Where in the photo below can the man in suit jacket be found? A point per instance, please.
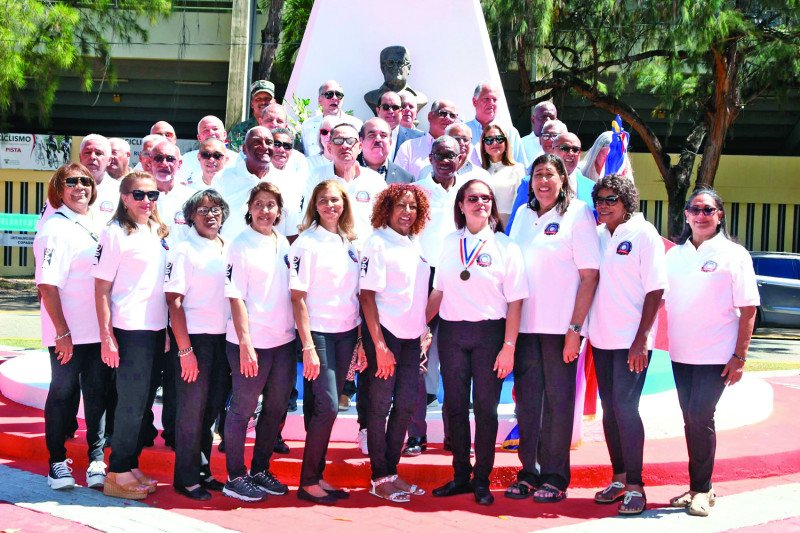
(376, 143)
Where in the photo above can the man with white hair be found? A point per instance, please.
(165, 129)
(532, 143)
(94, 153)
(331, 99)
(484, 99)
(119, 159)
(550, 132)
(165, 166)
(148, 142)
(209, 127)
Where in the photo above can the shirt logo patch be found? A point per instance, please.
(624, 248)
(286, 259)
(229, 273)
(364, 266)
(362, 196)
(48, 256)
(106, 206)
(484, 260)
(98, 253)
(296, 264)
(352, 255)
(179, 218)
(709, 266)
(168, 272)
(164, 244)
(551, 228)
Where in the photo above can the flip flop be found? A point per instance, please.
(519, 490)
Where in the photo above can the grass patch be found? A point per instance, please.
(758, 365)
(19, 342)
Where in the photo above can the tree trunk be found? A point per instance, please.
(679, 177)
(269, 40)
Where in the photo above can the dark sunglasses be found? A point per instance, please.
(158, 158)
(331, 94)
(442, 157)
(484, 198)
(285, 146)
(208, 155)
(707, 211)
(567, 149)
(139, 195)
(607, 200)
(71, 182)
(490, 140)
(447, 114)
(349, 141)
(389, 107)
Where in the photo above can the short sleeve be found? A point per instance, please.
(179, 271)
(236, 275)
(653, 266)
(585, 243)
(53, 258)
(515, 284)
(301, 260)
(373, 265)
(745, 287)
(108, 254)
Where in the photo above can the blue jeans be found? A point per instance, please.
(276, 375)
(699, 389)
(394, 398)
(620, 390)
(321, 399)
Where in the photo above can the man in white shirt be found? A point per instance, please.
(331, 99)
(119, 159)
(209, 127)
(541, 113)
(484, 99)
(468, 165)
(165, 165)
(414, 154)
(148, 142)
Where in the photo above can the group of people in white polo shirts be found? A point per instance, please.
(373, 268)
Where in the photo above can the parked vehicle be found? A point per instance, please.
(778, 277)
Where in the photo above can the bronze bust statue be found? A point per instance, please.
(395, 66)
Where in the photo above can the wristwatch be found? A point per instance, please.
(575, 327)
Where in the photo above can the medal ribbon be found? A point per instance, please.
(467, 258)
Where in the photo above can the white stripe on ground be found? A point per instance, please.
(91, 508)
(746, 509)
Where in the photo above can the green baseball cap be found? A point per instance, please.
(262, 86)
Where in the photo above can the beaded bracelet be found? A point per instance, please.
(740, 358)
(64, 336)
(185, 351)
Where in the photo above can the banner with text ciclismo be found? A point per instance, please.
(29, 151)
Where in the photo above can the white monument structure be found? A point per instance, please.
(447, 40)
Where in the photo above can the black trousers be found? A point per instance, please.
(467, 352)
(620, 391)
(276, 376)
(393, 397)
(137, 351)
(87, 374)
(545, 392)
(321, 399)
(198, 404)
(164, 377)
(699, 389)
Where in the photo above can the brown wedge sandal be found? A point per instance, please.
(128, 491)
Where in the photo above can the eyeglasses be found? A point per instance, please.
(567, 149)
(208, 155)
(285, 146)
(204, 211)
(158, 158)
(443, 157)
(349, 141)
(139, 195)
(395, 64)
(447, 114)
(490, 140)
(323, 131)
(389, 107)
(330, 94)
(707, 211)
(73, 181)
(607, 200)
(549, 136)
(482, 198)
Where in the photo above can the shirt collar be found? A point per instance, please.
(394, 237)
(381, 169)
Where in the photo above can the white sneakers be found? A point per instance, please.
(362, 441)
(60, 476)
(96, 475)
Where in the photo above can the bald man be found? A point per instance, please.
(209, 127)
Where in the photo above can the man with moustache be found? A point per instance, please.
(376, 142)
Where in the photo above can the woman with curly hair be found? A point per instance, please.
(633, 278)
(132, 315)
(394, 292)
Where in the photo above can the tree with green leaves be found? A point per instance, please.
(703, 60)
(42, 39)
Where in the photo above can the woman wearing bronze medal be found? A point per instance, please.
(479, 286)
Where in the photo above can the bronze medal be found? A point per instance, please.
(465, 275)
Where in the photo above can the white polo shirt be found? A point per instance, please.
(707, 285)
(413, 155)
(64, 251)
(170, 209)
(258, 273)
(393, 267)
(102, 209)
(441, 223)
(326, 268)
(496, 276)
(197, 271)
(135, 265)
(554, 247)
(632, 264)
